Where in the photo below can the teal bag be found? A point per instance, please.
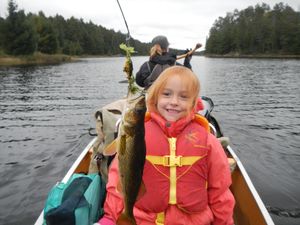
(78, 202)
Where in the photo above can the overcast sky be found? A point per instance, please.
(184, 22)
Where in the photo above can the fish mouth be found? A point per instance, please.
(137, 98)
(135, 111)
(139, 103)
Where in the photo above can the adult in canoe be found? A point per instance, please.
(159, 55)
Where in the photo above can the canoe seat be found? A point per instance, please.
(232, 164)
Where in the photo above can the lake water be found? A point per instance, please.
(46, 112)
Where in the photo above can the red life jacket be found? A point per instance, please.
(176, 163)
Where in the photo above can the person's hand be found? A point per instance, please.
(187, 59)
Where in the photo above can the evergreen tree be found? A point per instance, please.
(1, 33)
(19, 35)
(22, 34)
(59, 24)
(256, 30)
(47, 36)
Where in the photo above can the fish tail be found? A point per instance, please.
(125, 220)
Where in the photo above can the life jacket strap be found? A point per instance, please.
(171, 160)
(160, 218)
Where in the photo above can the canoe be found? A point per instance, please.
(249, 208)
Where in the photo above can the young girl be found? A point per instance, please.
(186, 174)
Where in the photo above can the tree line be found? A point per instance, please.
(24, 34)
(256, 30)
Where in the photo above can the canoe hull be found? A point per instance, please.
(249, 208)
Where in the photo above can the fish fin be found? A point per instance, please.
(111, 149)
(124, 219)
(142, 191)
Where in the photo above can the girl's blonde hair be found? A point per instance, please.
(188, 78)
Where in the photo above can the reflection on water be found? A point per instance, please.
(46, 112)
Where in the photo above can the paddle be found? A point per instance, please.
(198, 45)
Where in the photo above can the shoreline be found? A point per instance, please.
(254, 56)
(46, 59)
(36, 59)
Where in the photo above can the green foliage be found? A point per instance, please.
(129, 50)
(2, 21)
(256, 30)
(72, 48)
(19, 37)
(24, 34)
(128, 67)
(47, 36)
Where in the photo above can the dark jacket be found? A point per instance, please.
(147, 67)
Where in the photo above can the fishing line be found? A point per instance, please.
(128, 34)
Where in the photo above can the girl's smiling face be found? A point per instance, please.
(174, 100)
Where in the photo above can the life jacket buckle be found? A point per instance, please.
(170, 161)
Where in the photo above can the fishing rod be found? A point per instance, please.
(128, 33)
(128, 67)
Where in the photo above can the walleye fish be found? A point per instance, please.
(131, 146)
(131, 155)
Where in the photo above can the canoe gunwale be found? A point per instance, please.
(78, 160)
(251, 187)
